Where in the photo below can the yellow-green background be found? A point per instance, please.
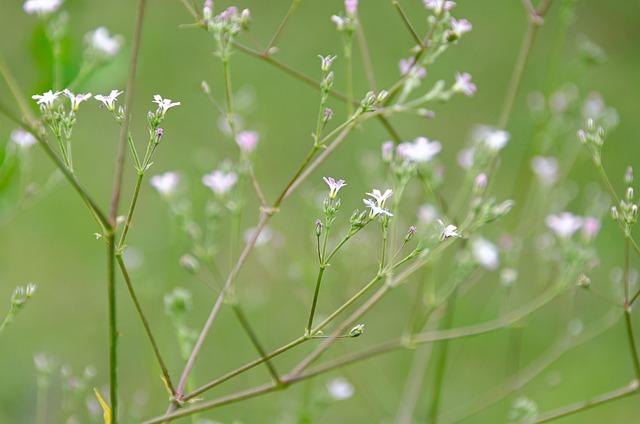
(52, 242)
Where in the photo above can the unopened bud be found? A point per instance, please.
(582, 136)
(318, 227)
(628, 175)
(159, 134)
(584, 281)
(205, 87)
(629, 193)
(480, 183)
(189, 263)
(387, 151)
(356, 331)
(410, 233)
(327, 115)
(614, 213)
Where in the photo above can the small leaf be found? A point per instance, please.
(106, 409)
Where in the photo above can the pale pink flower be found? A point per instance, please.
(590, 227)
(480, 182)
(420, 151)
(334, 186)
(464, 84)
(166, 183)
(387, 151)
(460, 27)
(41, 7)
(247, 140)
(164, 104)
(439, 6)
(427, 214)
(220, 182)
(564, 224)
(23, 138)
(109, 100)
(351, 6)
(465, 158)
(408, 65)
(546, 169)
(76, 99)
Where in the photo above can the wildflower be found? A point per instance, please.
(410, 233)
(334, 186)
(439, 6)
(375, 209)
(46, 100)
(76, 99)
(508, 276)
(165, 184)
(164, 104)
(387, 151)
(448, 231)
(247, 140)
(494, 139)
(207, 10)
(480, 182)
(220, 182)
(460, 27)
(427, 214)
(380, 197)
(23, 138)
(546, 169)
(590, 227)
(351, 6)
(464, 85)
(420, 151)
(465, 158)
(485, 253)
(340, 389)
(41, 7)
(109, 100)
(341, 22)
(408, 65)
(102, 42)
(564, 224)
(326, 62)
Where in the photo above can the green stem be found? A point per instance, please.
(132, 207)
(113, 328)
(292, 8)
(315, 300)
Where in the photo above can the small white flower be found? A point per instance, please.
(460, 27)
(546, 169)
(439, 6)
(465, 158)
(492, 138)
(76, 99)
(334, 186)
(420, 151)
(46, 100)
(106, 44)
(387, 151)
(41, 7)
(340, 389)
(165, 184)
(340, 22)
(427, 214)
(375, 210)
(247, 141)
(109, 100)
(448, 231)
(564, 224)
(485, 253)
(380, 197)
(464, 84)
(220, 182)
(23, 138)
(164, 104)
(508, 277)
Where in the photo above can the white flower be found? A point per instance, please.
(247, 141)
(387, 151)
(448, 231)
(334, 186)
(492, 138)
(375, 209)
(508, 276)
(220, 182)
(41, 6)
(47, 99)
(464, 84)
(340, 389)
(164, 104)
(76, 99)
(439, 6)
(564, 224)
(340, 22)
(460, 27)
(420, 151)
(380, 197)
(23, 138)
(465, 158)
(485, 253)
(109, 100)
(546, 169)
(427, 214)
(165, 184)
(101, 41)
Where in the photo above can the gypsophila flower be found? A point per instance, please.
(460, 27)
(207, 10)
(166, 184)
(564, 224)
(46, 100)
(546, 169)
(387, 151)
(420, 151)
(485, 253)
(23, 138)
(109, 100)
(326, 62)
(351, 6)
(380, 197)
(76, 99)
(439, 6)
(427, 214)
(590, 227)
(377, 207)
(247, 141)
(465, 158)
(480, 182)
(464, 85)
(41, 7)
(448, 231)
(334, 186)
(375, 210)
(340, 389)
(408, 65)
(493, 138)
(104, 43)
(508, 276)
(164, 104)
(220, 182)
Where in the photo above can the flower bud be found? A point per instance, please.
(318, 227)
(410, 233)
(189, 263)
(628, 175)
(356, 331)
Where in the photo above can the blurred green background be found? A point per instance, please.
(52, 243)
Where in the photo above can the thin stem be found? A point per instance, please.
(132, 207)
(407, 23)
(276, 36)
(14, 88)
(315, 300)
(145, 322)
(366, 56)
(622, 392)
(113, 327)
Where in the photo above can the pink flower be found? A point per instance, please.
(464, 85)
(420, 151)
(247, 140)
(220, 182)
(351, 6)
(387, 151)
(564, 224)
(590, 227)
(546, 169)
(408, 65)
(334, 186)
(438, 6)
(460, 27)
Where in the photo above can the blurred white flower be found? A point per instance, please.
(420, 151)
(465, 158)
(427, 214)
(564, 224)
(46, 100)
(41, 6)
(165, 184)
(448, 231)
(387, 151)
(247, 141)
(485, 253)
(340, 389)
(220, 182)
(508, 276)
(375, 210)
(439, 6)
(546, 169)
(23, 138)
(494, 139)
(164, 104)
(464, 84)
(100, 40)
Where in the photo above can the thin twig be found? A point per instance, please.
(276, 36)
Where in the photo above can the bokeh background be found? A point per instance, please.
(51, 241)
